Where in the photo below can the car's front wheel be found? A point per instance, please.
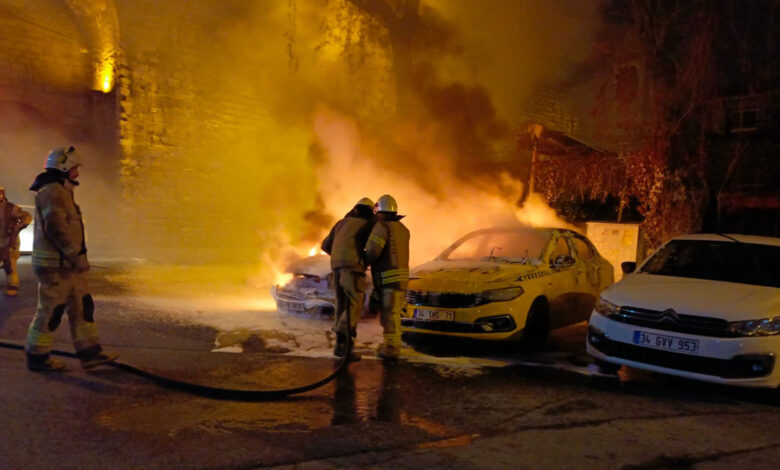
(606, 367)
(537, 326)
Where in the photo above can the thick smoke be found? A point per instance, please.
(253, 126)
(26, 138)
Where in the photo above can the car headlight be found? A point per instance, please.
(761, 327)
(501, 295)
(605, 307)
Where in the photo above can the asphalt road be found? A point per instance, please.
(427, 411)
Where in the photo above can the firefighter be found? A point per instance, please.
(345, 244)
(387, 251)
(60, 263)
(12, 221)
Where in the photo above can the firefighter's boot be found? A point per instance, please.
(13, 284)
(341, 345)
(341, 348)
(388, 352)
(390, 349)
(44, 363)
(93, 358)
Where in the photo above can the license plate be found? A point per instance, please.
(295, 307)
(669, 343)
(431, 315)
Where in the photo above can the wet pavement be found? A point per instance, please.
(466, 405)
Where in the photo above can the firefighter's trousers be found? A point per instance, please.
(350, 294)
(62, 291)
(9, 266)
(390, 315)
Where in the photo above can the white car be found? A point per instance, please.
(704, 307)
(310, 289)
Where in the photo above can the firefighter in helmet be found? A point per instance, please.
(345, 244)
(12, 221)
(60, 263)
(387, 251)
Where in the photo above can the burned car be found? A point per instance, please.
(515, 283)
(310, 290)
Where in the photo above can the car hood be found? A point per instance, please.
(317, 265)
(727, 300)
(466, 276)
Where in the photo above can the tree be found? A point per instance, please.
(657, 66)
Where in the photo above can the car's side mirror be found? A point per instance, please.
(563, 261)
(628, 267)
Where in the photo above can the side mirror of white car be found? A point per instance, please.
(628, 267)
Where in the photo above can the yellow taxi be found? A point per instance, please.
(507, 283)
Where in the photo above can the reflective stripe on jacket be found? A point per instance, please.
(345, 243)
(59, 229)
(387, 251)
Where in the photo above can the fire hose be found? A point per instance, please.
(215, 392)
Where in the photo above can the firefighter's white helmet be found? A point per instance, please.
(386, 203)
(365, 202)
(63, 159)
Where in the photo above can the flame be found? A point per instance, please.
(440, 208)
(107, 76)
(537, 213)
(282, 278)
(314, 250)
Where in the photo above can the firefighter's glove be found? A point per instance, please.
(81, 264)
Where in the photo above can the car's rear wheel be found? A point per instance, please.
(537, 326)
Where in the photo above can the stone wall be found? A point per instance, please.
(194, 160)
(196, 166)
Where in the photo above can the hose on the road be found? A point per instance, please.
(215, 392)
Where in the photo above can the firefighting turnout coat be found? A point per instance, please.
(387, 251)
(12, 219)
(345, 243)
(59, 229)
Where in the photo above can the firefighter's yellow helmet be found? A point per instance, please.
(365, 202)
(63, 159)
(386, 203)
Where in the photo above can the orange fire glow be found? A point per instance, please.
(281, 278)
(434, 219)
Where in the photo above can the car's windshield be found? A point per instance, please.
(516, 246)
(745, 263)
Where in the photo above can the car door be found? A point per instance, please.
(563, 296)
(588, 274)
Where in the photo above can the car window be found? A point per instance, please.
(745, 263)
(513, 246)
(584, 251)
(561, 248)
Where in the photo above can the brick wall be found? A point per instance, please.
(46, 96)
(204, 169)
(43, 64)
(196, 167)
(551, 109)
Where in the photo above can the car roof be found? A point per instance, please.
(729, 237)
(517, 228)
